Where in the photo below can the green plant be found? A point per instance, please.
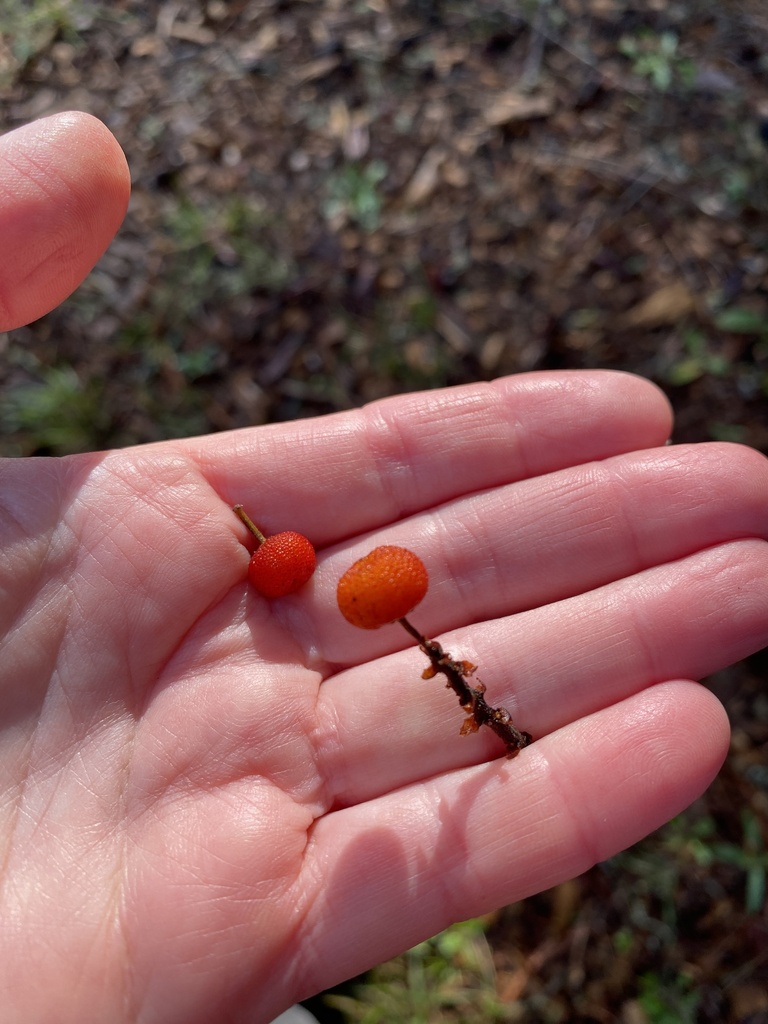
(58, 413)
(734, 432)
(742, 320)
(449, 978)
(750, 857)
(655, 57)
(657, 867)
(212, 257)
(672, 1002)
(353, 194)
(29, 27)
(699, 359)
(401, 343)
(422, 309)
(215, 254)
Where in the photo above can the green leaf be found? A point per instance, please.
(755, 894)
(739, 320)
(686, 371)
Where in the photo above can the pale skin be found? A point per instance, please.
(214, 805)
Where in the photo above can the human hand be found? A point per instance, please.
(214, 805)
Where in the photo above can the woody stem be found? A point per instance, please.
(241, 514)
(471, 698)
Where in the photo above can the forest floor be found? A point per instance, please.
(335, 201)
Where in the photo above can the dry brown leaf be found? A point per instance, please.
(315, 69)
(448, 325)
(517, 106)
(425, 177)
(191, 33)
(668, 305)
(265, 41)
(748, 1000)
(492, 350)
(150, 45)
(338, 119)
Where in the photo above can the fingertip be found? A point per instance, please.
(693, 736)
(637, 402)
(662, 750)
(616, 411)
(109, 172)
(638, 389)
(64, 190)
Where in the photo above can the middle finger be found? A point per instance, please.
(542, 540)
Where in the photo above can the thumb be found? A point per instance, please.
(64, 188)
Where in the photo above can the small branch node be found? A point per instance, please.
(471, 698)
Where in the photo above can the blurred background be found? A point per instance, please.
(337, 200)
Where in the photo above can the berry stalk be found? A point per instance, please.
(242, 514)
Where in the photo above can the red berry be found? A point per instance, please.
(382, 587)
(282, 564)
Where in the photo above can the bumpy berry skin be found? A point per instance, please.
(282, 564)
(382, 587)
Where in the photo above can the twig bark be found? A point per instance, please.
(471, 698)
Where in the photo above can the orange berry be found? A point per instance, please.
(382, 587)
(282, 564)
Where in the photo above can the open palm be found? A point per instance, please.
(212, 804)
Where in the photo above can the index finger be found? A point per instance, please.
(341, 475)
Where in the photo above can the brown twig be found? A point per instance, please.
(241, 514)
(471, 698)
